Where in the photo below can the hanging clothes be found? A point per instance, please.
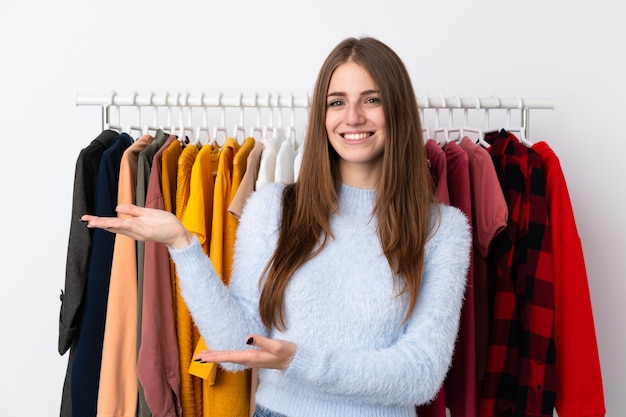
(186, 332)
(438, 170)
(198, 220)
(285, 159)
(248, 182)
(578, 373)
(87, 358)
(527, 306)
(117, 392)
(78, 253)
(157, 365)
(231, 391)
(520, 376)
(489, 217)
(460, 384)
(144, 167)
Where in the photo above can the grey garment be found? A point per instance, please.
(66, 396)
(144, 164)
(78, 252)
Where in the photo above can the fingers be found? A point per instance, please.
(268, 353)
(131, 210)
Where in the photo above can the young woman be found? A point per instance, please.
(347, 286)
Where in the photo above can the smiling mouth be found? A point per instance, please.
(356, 136)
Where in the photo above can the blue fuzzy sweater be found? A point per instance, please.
(356, 356)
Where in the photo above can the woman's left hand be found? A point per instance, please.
(269, 353)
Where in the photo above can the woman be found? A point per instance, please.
(347, 286)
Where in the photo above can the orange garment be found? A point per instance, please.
(186, 333)
(117, 390)
(245, 164)
(221, 199)
(230, 394)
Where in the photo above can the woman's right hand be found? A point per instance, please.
(145, 224)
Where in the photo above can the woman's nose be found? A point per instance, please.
(355, 115)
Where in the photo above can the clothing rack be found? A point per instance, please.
(185, 103)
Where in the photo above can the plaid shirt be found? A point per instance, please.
(521, 376)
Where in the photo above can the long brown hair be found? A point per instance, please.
(404, 191)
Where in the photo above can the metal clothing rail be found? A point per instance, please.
(280, 101)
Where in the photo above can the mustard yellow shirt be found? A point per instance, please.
(186, 332)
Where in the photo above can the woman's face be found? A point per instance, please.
(355, 124)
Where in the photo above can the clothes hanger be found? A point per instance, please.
(113, 126)
(257, 127)
(221, 128)
(440, 129)
(480, 140)
(291, 130)
(153, 128)
(521, 130)
(239, 127)
(451, 128)
(204, 128)
(185, 128)
(488, 129)
(425, 128)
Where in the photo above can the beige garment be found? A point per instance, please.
(117, 392)
(247, 184)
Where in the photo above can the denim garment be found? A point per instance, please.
(264, 412)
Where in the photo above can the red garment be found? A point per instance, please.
(437, 160)
(579, 377)
(438, 170)
(460, 383)
(521, 373)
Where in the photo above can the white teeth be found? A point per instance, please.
(355, 136)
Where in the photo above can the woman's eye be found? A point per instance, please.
(335, 103)
(373, 100)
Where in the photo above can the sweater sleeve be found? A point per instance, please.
(225, 316)
(411, 370)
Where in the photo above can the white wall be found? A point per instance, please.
(571, 51)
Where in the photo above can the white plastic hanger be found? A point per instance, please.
(204, 128)
(451, 128)
(185, 128)
(240, 127)
(425, 128)
(468, 129)
(221, 128)
(153, 128)
(440, 129)
(521, 131)
(257, 128)
(114, 126)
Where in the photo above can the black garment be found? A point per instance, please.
(79, 251)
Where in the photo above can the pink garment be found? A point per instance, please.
(158, 365)
(489, 217)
